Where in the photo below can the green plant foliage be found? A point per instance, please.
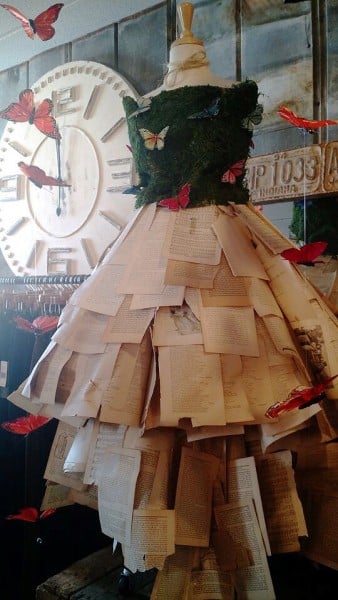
(197, 150)
(321, 222)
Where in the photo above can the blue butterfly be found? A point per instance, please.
(211, 111)
(143, 105)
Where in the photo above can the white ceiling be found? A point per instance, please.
(76, 19)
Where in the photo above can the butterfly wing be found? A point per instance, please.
(45, 323)
(25, 425)
(153, 140)
(43, 22)
(29, 513)
(24, 324)
(183, 195)
(20, 111)
(210, 111)
(306, 254)
(44, 121)
(233, 172)
(39, 177)
(171, 203)
(299, 398)
(298, 121)
(25, 22)
(149, 138)
(160, 138)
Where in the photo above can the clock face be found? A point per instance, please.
(64, 226)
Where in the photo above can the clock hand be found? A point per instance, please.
(58, 158)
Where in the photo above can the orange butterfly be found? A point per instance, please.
(153, 140)
(233, 172)
(181, 201)
(306, 254)
(31, 514)
(42, 324)
(25, 425)
(307, 124)
(41, 25)
(39, 177)
(24, 111)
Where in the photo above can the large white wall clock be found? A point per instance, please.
(65, 229)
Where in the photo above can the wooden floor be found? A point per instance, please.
(98, 577)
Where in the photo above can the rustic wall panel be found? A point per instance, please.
(214, 23)
(142, 49)
(97, 47)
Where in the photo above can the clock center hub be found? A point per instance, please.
(60, 211)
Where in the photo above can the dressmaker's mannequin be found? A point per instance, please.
(188, 62)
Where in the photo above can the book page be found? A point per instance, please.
(92, 376)
(242, 483)
(56, 496)
(190, 236)
(286, 286)
(237, 247)
(229, 330)
(239, 519)
(132, 234)
(176, 326)
(62, 443)
(103, 436)
(171, 295)
(123, 398)
(73, 336)
(261, 298)
(181, 272)
(128, 326)
(227, 289)
(145, 269)
(263, 228)
(321, 510)
(282, 508)
(100, 295)
(173, 581)
(48, 379)
(199, 397)
(197, 473)
(208, 583)
(116, 489)
(153, 532)
(77, 456)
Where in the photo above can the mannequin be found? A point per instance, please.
(188, 63)
(196, 249)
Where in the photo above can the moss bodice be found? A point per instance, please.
(205, 130)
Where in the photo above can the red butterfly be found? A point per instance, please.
(25, 425)
(39, 177)
(31, 514)
(24, 111)
(306, 254)
(40, 325)
(233, 172)
(41, 25)
(181, 201)
(300, 397)
(306, 124)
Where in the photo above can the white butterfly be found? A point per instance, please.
(154, 140)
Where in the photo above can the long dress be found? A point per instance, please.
(188, 331)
